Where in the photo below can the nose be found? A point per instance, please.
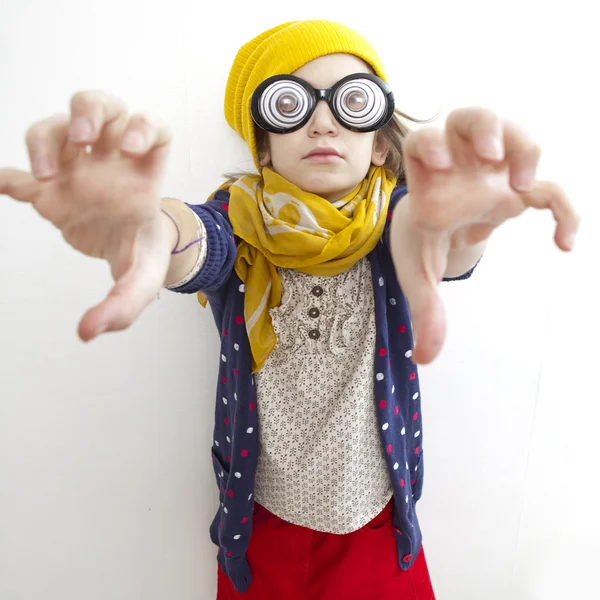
(322, 121)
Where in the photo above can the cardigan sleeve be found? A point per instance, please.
(220, 242)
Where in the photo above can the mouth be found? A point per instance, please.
(323, 154)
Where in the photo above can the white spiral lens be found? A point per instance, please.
(360, 103)
(284, 104)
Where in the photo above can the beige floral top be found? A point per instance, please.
(321, 463)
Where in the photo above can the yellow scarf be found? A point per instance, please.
(281, 225)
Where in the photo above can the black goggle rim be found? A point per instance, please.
(318, 95)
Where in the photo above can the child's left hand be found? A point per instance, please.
(487, 177)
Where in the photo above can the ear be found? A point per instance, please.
(381, 147)
(264, 158)
(262, 147)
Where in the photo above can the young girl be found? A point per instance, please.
(309, 268)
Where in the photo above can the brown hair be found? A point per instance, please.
(393, 134)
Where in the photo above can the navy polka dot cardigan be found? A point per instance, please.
(235, 446)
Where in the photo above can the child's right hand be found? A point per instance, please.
(106, 202)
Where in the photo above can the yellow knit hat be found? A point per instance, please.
(280, 51)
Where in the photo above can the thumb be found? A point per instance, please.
(420, 269)
(19, 185)
(429, 324)
(128, 298)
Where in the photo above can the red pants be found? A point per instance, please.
(289, 562)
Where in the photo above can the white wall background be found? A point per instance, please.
(106, 487)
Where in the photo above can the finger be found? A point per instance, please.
(420, 262)
(19, 185)
(137, 135)
(144, 133)
(477, 128)
(130, 295)
(47, 146)
(147, 138)
(522, 155)
(547, 194)
(422, 166)
(97, 119)
(428, 146)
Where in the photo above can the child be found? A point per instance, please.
(318, 437)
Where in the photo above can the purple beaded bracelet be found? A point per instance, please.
(179, 235)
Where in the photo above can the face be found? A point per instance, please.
(336, 174)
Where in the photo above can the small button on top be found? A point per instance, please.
(407, 558)
(314, 334)
(314, 313)
(317, 291)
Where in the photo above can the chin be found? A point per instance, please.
(331, 186)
